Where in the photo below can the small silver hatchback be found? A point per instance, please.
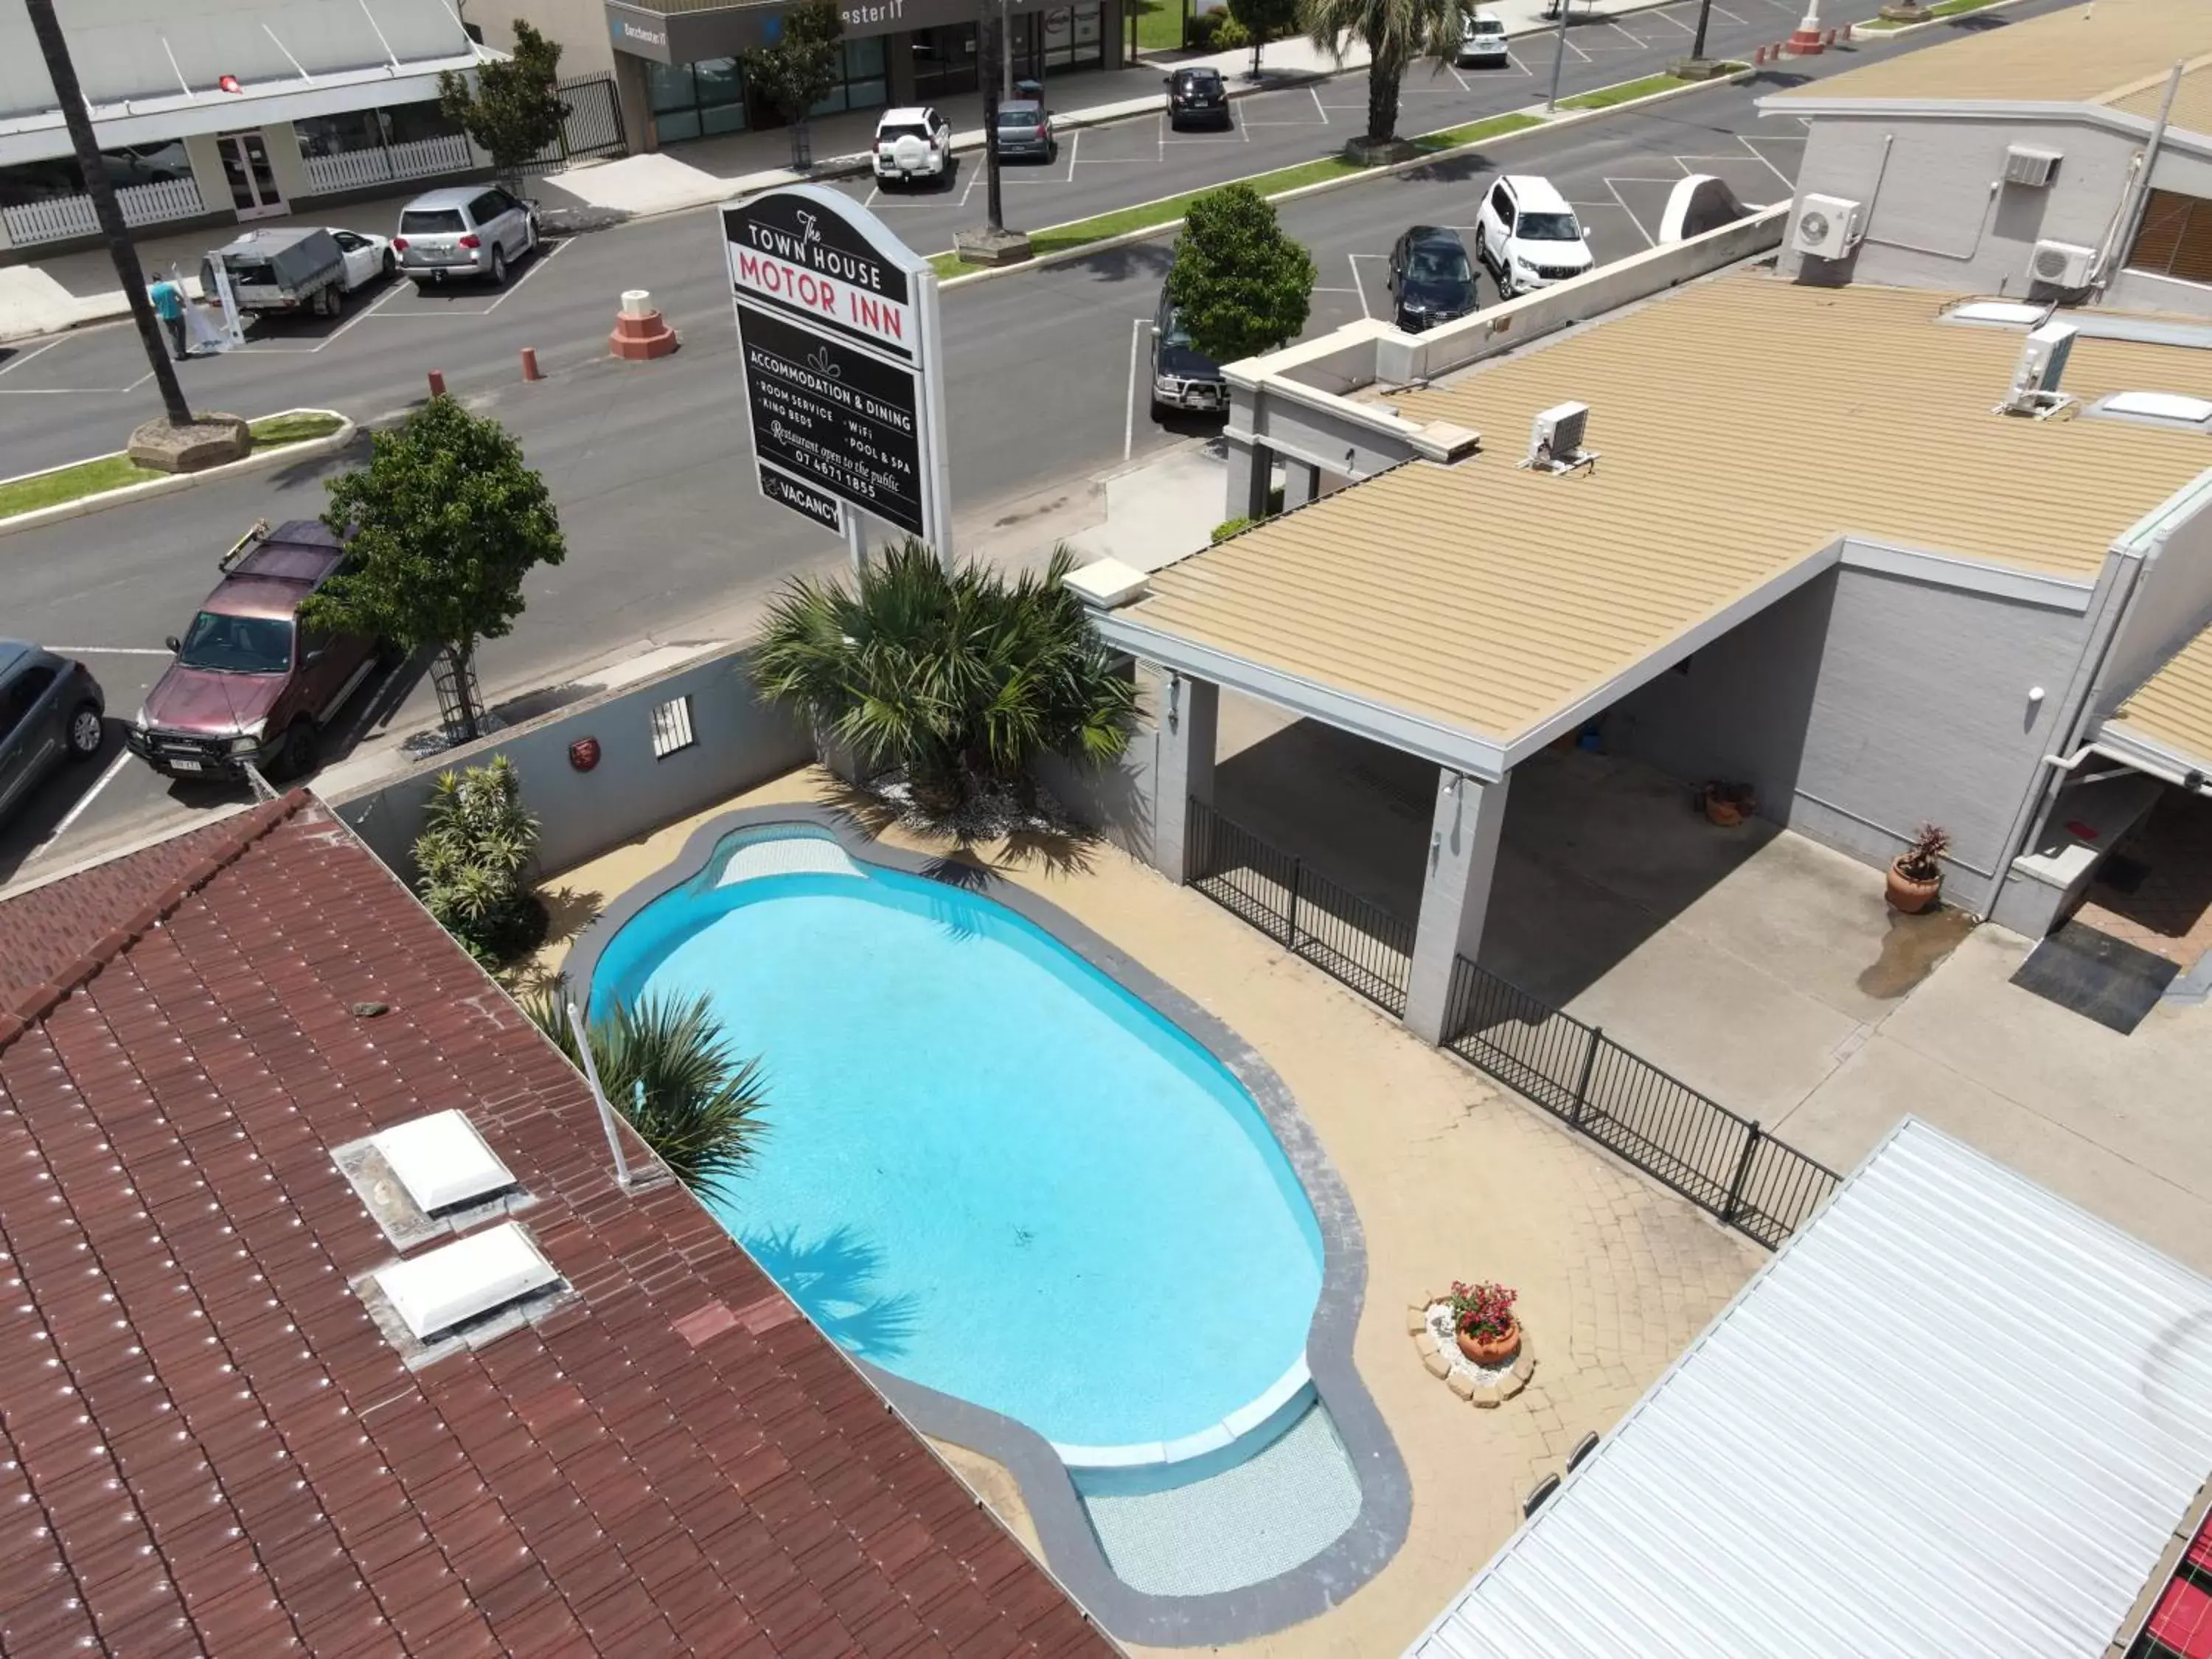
(475, 230)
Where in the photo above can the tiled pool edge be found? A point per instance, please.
(1072, 1550)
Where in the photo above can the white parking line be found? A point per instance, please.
(1129, 414)
(1318, 105)
(1669, 17)
(543, 259)
(1357, 287)
(35, 351)
(1723, 11)
(1650, 240)
(86, 799)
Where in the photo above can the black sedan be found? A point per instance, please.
(50, 711)
(1198, 97)
(1431, 280)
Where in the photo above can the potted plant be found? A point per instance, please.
(1482, 1320)
(1916, 879)
(1728, 804)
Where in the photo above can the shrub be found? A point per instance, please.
(700, 1109)
(476, 844)
(1239, 283)
(1922, 858)
(958, 677)
(1229, 527)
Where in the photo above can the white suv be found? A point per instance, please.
(912, 143)
(1529, 236)
(1482, 38)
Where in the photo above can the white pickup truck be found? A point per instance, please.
(282, 271)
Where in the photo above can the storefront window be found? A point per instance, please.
(138, 164)
(863, 86)
(1074, 39)
(944, 61)
(697, 100)
(371, 129)
(407, 124)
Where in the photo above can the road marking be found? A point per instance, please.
(869, 200)
(1318, 105)
(1650, 240)
(1723, 11)
(1788, 182)
(1357, 287)
(1452, 69)
(1129, 414)
(1669, 17)
(83, 801)
(35, 351)
(1514, 58)
(543, 259)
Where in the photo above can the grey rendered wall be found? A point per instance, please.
(1865, 703)
(2171, 601)
(1934, 219)
(742, 743)
(1117, 800)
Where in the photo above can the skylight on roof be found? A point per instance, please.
(2169, 408)
(462, 1281)
(441, 1160)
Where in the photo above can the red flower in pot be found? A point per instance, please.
(1482, 1320)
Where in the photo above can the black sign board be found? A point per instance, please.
(834, 416)
(790, 252)
(803, 499)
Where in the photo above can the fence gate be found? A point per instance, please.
(594, 126)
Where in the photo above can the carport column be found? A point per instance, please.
(1301, 485)
(1251, 477)
(1455, 897)
(1190, 714)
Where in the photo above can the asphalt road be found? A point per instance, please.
(668, 542)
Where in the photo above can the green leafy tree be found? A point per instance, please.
(447, 521)
(473, 855)
(701, 1106)
(1240, 284)
(958, 677)
(798, 69)
(513, 109)
(1398, 32)
(1263, 20)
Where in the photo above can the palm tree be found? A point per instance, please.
(958, 677)
(701, 1107)
(76, 115)
(1397, 31)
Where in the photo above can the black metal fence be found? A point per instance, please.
(593, 127)
(1344, 935)
(1725, 1164)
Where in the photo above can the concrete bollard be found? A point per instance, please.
(639, 334)
(437, 383)
(530, 364)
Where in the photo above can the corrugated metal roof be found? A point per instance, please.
(1744, 423)
(2192, 104)
(2088, 54)
(2172, 709)
(1954, 1416)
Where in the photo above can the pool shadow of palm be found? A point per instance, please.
(833, 1277)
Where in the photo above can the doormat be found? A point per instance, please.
(2096, 976)
(2122, 873)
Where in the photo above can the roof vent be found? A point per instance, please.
(2027, 164)
(441, 1161)
(2035, 380)
(462, 1281)
(1555, 440)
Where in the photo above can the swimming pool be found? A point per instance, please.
(991, 1169)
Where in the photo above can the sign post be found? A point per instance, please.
(838, 329)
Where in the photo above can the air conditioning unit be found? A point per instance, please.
(1555, 440)
(2062, 264)
(1826, 227)
(2027, 164)
(2035, 378)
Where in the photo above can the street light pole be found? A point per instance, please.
(996, 45)
(1558, 57)
(76, 116)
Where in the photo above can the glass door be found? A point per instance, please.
(252, 181)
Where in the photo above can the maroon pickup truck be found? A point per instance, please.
(250, 683)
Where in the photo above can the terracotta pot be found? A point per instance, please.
(1726, 813)
(1910, 897)
(1492, 1353)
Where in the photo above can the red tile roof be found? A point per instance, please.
(206, 1446)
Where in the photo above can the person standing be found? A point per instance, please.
(168, 298)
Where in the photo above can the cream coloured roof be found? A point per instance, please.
(2193, 103)
(1745, 424)
(2173, 708)
(2099, 53)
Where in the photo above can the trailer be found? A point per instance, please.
(281, 270)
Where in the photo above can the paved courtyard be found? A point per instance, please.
(1764, 968)
(1452, 1179)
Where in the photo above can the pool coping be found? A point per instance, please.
(1071, 1548)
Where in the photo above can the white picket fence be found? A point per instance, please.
(61, 216)
(355, 169)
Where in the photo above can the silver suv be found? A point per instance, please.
(50, 708)
(478, 230)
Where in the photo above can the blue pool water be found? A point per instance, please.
(989, 1169)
